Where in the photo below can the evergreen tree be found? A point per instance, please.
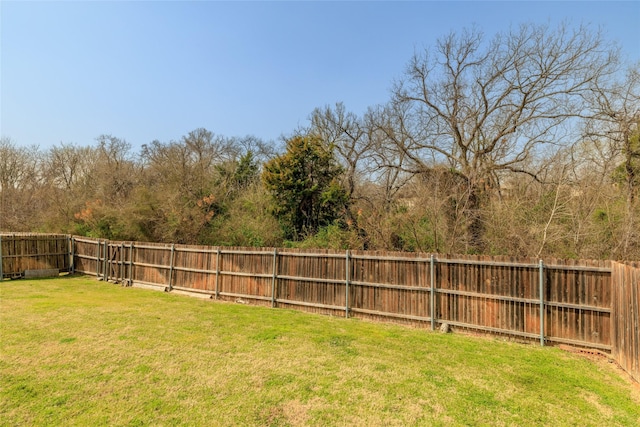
(305, 187)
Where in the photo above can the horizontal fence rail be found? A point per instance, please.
(589, 304)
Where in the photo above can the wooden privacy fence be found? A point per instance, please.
(21, 253)
(552, 302)
(591, 304)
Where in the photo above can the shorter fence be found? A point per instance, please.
(20, 253)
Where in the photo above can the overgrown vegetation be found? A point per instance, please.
(525, 143)
(80, 352)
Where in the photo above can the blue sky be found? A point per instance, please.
(71, 71)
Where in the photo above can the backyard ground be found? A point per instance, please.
(75, 351)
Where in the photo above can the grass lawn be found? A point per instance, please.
(75, 351)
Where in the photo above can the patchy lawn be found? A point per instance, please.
(75, 351)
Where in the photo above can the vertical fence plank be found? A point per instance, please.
(347, 277)
(130, 273)
(71, 245)
(541, 279)
(98, 250)
(105, 273)
(217, 273)
(432, 292)
(121, 264)
(274, 278)
(171, 265)
(1, 261)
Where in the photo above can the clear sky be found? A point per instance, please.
(140, 71)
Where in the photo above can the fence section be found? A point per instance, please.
(579, 302)
(391, 286)
(244, 273)
(312, 280)
(86, 255)
(195, 266)
(493, 295)
(554, 302)
(23, 252)
(626, 303)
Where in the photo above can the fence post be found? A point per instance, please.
(131, 265)
(99, 264)
(541, 282)
(274, 278)
(123, 264)
(105, 274)
(347, 278)
(217, 270)
(173, 246)
(1, 273)
(103, 261)
(100, 247)
(432, 292)
(98, 258)
(71, 245)
(117, 255)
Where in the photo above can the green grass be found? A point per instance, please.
(75, 351)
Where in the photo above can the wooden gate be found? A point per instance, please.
(114, 262)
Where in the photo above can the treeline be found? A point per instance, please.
(524, 144)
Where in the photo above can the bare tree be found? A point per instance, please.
(391, 168)
(373, 171)
(19, 182)
(484, 107)
(116, 169)
(70, 175)
(616, 125)
(617, 121)
(347, 134)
